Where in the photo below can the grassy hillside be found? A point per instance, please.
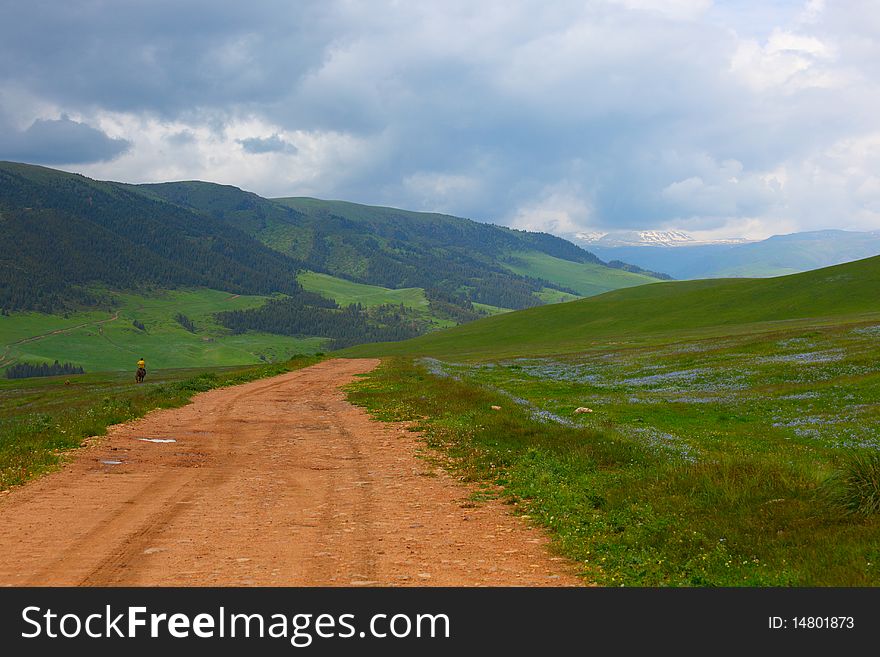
(62, 232)
(439, 229)
(549, 295)
(346, 292)
(674, 309)
(413, 299)
(744, 460)
(535, 256)
(64, 238)
(704, 433)
(757, 270)
(108, 340)
(586, 278)
(454, 260)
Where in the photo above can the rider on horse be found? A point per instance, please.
(141, 371)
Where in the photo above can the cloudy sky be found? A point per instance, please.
(722, 118)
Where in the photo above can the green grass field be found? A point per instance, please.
(490, 310)
(733, 438)
(584, 278)
(347, 292)
(756, 272)
(706, 463)
(101, 341)
(660, 312)
(549, 295)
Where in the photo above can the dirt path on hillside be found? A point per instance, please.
(279, 482)
(34, 338)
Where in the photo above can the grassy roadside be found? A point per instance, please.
(41, 419)
(629, 515)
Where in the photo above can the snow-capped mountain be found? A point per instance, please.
(668, 252)
(670, 238)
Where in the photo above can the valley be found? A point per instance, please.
(77, 252)
(711, 432)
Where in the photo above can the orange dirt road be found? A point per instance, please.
(279, 482)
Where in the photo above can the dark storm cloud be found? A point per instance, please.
(181, 138)
(273, 144)
(61, 141)
(163, 56)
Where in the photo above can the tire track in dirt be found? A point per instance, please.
(273, 483)
(112, 571)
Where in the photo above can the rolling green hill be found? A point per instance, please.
(542, 260)
(412, 299)
(72, 245)
(346, 292)
(61, 232)
(454, 260)
(693, 433)
(585, 278)
(673, 309)
(109, 340)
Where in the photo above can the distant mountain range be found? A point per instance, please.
(62, 232)
(69, 243)
(458, 262)
(671, 238)
(683, 257)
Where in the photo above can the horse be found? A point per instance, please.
(141, 373)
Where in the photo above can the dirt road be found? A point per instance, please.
(279, 482)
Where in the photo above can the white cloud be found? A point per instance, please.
(560, 208)
(812, 11)
(437, 191)
(728, 191)
(787, 62)
(319, 159)
(750, 228)
(838, 186)
(678, 9)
